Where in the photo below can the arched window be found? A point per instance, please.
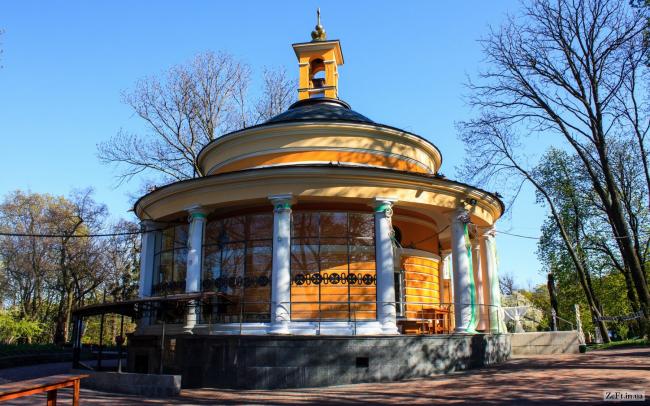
(317, 78)
(317, 67)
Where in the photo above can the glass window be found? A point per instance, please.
(170, 260)
(333, 266)
(237, 263)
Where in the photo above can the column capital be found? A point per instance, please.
(196, 212)
(461, 215)
(383, 204)
(490, 232)
(148, 225)
(282, 201)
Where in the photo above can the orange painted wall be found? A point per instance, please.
(417, 236)
(323, 156)
(317, 297)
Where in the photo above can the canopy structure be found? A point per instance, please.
(134, 309)
(515, 314)
(131, 308)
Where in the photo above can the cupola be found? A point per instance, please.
(318, 62)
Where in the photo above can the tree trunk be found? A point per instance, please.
(596, 303)
(59, 329)
(550, 284)
(593, 308)
(623, 237)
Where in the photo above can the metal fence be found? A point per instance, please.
(412, 317)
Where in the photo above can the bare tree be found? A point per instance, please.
(51, 262)
(277, 94)
(78, 261)
(24, 260)
(185, 110)
(562, 70)
(507, 284)
(188, 107)
(122, 258)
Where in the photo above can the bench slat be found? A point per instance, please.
(12, 390)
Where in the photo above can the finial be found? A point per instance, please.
(319, 33)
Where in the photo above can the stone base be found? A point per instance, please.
(269, 362)
(545, 342)
(148, 385)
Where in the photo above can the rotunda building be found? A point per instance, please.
(320, 221)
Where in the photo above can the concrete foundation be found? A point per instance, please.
(545, 342)
(268, 362)
(148, 385)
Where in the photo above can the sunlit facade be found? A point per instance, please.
(321, 221)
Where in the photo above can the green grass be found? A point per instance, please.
(637, 342)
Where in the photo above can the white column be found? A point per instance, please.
(497, 324)
(478, 277)
(464, 310)
(147, 247)
(281, 271)
(386, 307)
(197, 218)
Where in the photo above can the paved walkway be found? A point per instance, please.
(557, 379)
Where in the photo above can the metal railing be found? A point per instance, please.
(560, 326)
(421, 314)
(412, 317)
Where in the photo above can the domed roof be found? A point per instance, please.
(315, 131)
(320, 109)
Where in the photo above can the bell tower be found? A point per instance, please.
(318, 62)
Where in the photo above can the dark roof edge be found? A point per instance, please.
(421, 175)
(316, 100)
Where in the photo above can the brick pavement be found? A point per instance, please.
(554, 379)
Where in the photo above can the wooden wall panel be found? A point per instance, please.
(421, 284)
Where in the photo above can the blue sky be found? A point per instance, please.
(65, 65)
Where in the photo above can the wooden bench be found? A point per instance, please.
(49, 384)
(433, 320)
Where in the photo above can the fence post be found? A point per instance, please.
(581, 334)
(101, 343)
(76, 340)
(162, 347)
(120, 341)
(554, 326)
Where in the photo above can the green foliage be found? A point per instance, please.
(638, 342)
(110, 331)
(536, 317)
(541, 303)
(14, 328)
(60, 265)
(589, 234)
